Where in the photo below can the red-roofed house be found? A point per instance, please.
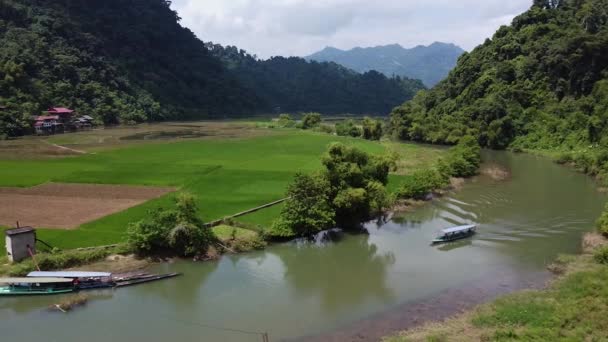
(48, 124)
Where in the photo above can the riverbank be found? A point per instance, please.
(573, 307)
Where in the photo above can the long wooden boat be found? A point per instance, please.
(82, 280)
(144, 279)
(455, 233)
(35, 286)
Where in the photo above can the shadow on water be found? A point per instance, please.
(326, 270)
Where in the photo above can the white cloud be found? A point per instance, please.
(300, 27)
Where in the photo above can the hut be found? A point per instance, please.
(20, 243)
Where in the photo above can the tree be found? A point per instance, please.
(311, 120)
(372, 129)
(307, 210)
(179, 230)
(348, 128)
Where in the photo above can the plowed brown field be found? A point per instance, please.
(67, 206)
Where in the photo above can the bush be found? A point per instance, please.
(372, 129)
(463, 160)
(311, 120)
(60, 260)
(602, 223)
(285, 121)
(601, 256)
(421, 183)
(348, 128)
(329, 129)
(178, 230)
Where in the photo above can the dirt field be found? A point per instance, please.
(67, 206)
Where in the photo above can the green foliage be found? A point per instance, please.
(294, 84)
(348, 128)
(372, 129)
(602, 223)
(541, 83)
(285, 121)
(178, 230)
(59, 260)
(349, 191)
(329, 129)
(307, 209)
(87, 56)
(601, 256)
(421, 183)
(463, 160)
(311, 120)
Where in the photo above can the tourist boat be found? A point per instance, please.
(35, 286)
(82, 280)
(455, 233)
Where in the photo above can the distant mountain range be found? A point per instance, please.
(430, 63)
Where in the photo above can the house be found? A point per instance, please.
(64, 114)
(83, 122)
(48, 124)
(20, 243)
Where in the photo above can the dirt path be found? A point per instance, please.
(65, 148)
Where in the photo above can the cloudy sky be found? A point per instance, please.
(300, 27)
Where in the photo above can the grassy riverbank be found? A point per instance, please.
(573, 308)
(229, 167)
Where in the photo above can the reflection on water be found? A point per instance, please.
(298, 289)
(354, 259)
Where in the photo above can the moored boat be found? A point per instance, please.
(455, 233)
(35, 286)
(82, 280)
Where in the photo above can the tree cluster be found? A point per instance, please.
(541, 83)
(350, 190)
(178, 230)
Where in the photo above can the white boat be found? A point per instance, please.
(455, 233)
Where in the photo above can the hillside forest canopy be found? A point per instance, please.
(93, 57)
(540, 83)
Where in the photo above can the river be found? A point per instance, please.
(380, 281)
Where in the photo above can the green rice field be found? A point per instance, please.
(226, 175)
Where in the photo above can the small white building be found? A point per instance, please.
(20, 242)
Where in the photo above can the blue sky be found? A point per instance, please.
(300, 27)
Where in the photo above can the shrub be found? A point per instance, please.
(285, 120)
(464, 159)
(421, 183)
(372, 129)
(178, 230)
(348, 128)
(602, 223)
(601, 255)
(329, 129)
(311, 120)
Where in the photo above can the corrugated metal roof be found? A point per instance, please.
(74, 274)
(34, 280)
(457, 229)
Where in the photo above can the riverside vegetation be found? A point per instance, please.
(538, 85)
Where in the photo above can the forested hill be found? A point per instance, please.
(117, 60)
(430, 63)
(540, 83)
(294, 84)
(131, 61)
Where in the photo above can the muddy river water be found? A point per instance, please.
(356, 288)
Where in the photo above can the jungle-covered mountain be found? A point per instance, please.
(294, 84)
(540, 83)
(131, 61)
(430, 63)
